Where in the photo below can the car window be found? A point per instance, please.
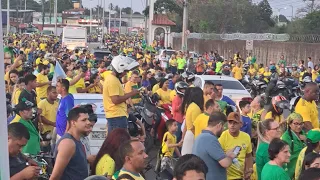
(169, 53)
(236, 85)
(98, 105)
(100, 55)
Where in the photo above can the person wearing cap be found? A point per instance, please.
(234, 137)
(313, 145)
(208, 148)
(24, 109)
(295, 137)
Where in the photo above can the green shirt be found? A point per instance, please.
(274, 172)
(298, 145)
(181, 63)
(33, 145)
(223, 106)
(218, 67)
(262, 157)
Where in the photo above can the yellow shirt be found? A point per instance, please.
(155, 88)
(227, 143)
(261, 71)
(206, 98)
(173, 62)
(164, 96)
(80, 84)
(43, 46)
(105, 165)
(134, 176)
(237, 73)
(72, 89)
(267, 74)
(315, 74)
(193, 111)
(252, 72)
(309, 112)
(200, 124)
(129, 86)
(299, 163)
(113, 87)
(6, 77)
(170, 139)
(19, 68)
(173, 94)
(49, 111)
(15, 96)
(256, 116)
(15, 119)
(95, 90)
(276, 118)
(42, 91)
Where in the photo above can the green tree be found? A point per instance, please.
(31, 5)
(126, 10)
(111, 6)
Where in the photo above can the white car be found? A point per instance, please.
(98, 134)
(231, 86)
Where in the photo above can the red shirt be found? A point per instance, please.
(176, 111)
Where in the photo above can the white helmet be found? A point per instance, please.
(123, 63)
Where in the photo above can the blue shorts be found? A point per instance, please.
(117, 122)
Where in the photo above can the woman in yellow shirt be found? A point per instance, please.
(252, 71)
(266, 74)
(164, 92)
(315, 72)
(261, 70)
(17, 91)
(173, 64)
(108, 160)
(97, 88)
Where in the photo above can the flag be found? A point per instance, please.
(58, 74)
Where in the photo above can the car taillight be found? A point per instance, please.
(247, 99)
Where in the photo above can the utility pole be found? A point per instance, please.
(151, 11)
(8, 17)
(185, 26)
(109, 23)
(146, 25)
(50, 10)
(55, 16)
(90, 16)
(312, 5)
(43, 14)
(103, 21)
(120, 22)
(131, 15)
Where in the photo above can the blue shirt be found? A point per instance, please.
(208, 148)
(246, 125)
(65, 105)
(171, 85)
(228, 100)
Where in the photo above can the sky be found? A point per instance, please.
(285, 6)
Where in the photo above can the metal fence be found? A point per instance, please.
(309, 38)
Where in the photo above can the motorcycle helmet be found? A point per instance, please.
(273, 68)
(122, 63)
(159, 76)
(179, 86)
(307, 79)
(279, 103)
(318, 80)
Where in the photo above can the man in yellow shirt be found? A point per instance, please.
(207, 91)
(237, 71)
(132, 84)
(114, 97)
(307, 108)
(234, 137)
(42, 82)
(201, 121)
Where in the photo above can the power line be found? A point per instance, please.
(291, 3)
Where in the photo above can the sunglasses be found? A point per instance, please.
(277, 128)
(298, 124)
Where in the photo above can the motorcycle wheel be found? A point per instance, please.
(148, 142)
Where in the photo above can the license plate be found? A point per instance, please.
(95, 135)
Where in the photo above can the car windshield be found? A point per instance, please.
(98, 105)
(233, 85)
(100, 55)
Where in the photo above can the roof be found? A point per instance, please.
(162, 19)
(216, 77)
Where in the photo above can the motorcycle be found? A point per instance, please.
(165, 115)
(257, 86)
(45, 162)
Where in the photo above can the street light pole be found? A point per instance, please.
(131, 16)
(120, 21)
(55, 16)
(109, 23)
(291, 12)
(103, 20)
(8, 17)
(90, 16)
(185, 26)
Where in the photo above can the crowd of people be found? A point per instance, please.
(204, 139)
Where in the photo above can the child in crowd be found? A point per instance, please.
(170, 145)
(245, 110)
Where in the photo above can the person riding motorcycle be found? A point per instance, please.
(273, 80)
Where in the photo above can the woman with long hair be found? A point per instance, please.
(312, 160)
(108, 161)
(164, 92)
(313, 145)
(192, 107)
(146, 76)
(14, 77)
(97, 86)
(267, 130)
(279, 153)
(315, 72)
(295, 137)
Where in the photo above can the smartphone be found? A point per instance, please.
(237, 150)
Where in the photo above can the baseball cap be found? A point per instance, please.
(234, 117)
(314, 135)
(24, 105)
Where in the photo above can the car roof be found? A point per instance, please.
(216, 77)
(87, 96)
(101, 50)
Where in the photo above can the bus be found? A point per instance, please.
(74, 37)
